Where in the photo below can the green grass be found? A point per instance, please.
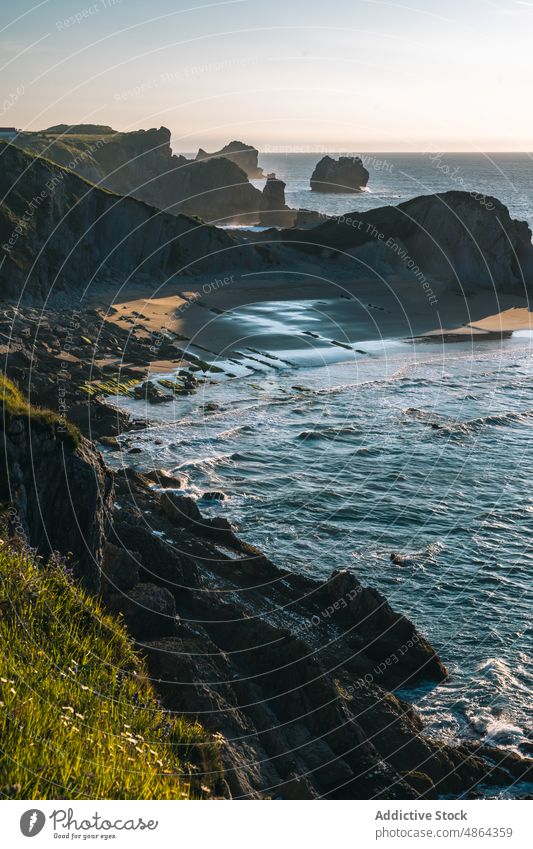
(14, 405)
(78, 716)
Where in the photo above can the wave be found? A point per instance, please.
(235, 431)
(448, 427)
(206, 464)
(329, 432)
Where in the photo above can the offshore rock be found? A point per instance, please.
(274, 210)
(346, 174)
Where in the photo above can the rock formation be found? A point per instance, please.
(294, 676)
(455, 238)
(79, 233)
(59, 493)
(72, 234)
(344, 175)
(244, 155)
(141, 164)
(274, 210)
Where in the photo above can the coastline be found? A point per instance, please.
(306, 321)
(227, 595)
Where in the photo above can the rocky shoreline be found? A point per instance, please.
(294, 677)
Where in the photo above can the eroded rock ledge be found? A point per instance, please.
(296, 677)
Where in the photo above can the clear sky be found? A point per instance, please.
(279, 74)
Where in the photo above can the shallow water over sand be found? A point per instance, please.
(420, 449)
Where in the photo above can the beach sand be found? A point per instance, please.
(310, 319)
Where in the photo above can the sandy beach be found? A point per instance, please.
(306, 322)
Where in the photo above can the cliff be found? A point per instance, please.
(243, 155)
(56, 484)
(346, 174)
(59, 231)
(141, 164)
(454, 237)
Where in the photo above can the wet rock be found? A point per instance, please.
(214, 495)
(160, 562)
(152, 393)
(110, 442)
(164, 479)
(180, 509)
(401, 560)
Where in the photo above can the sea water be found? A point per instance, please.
(405, 447)
(397, 177)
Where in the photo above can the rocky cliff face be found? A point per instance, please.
(57, 231)
(346, 174)
(244, 155)
(60, 495)
(453, 237)
(141, 164)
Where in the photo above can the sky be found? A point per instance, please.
(343, 75)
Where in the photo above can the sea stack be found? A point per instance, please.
(274, 210)
(243, 155)
(347, 174)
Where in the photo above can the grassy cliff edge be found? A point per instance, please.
(78, 716)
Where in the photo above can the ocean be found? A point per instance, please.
(396, 177)
(419, 449)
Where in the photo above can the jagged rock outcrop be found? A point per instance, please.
(308, 218)
(244, 155)
(454, 237)
(141, 164)
(346, 174)
(57, 231)
(274, 210)
(59, 495)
